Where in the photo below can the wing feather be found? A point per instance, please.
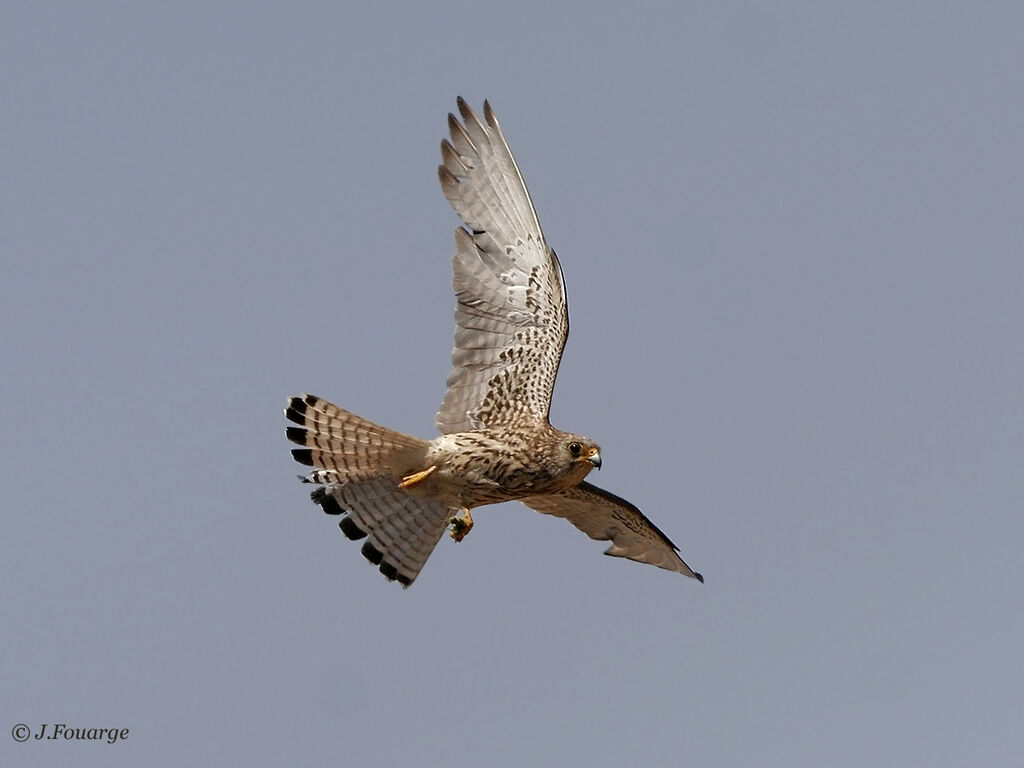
(606, 517)
(511, 315)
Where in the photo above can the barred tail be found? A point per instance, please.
(345, 446)
(361, 464)
(400, 530)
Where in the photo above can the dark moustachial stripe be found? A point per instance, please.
(350, 529)
(372, 554)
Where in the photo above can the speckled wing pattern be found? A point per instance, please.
(606, 517)
(511, 317)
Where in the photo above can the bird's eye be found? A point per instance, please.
(575, 449)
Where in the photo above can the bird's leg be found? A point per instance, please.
(461, 523)
(417, 477)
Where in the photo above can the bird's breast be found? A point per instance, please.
(477, 468)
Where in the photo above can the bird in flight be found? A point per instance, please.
(401, 493)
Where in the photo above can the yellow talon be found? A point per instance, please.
(417, 477)
(461, 525)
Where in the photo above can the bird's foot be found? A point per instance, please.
(417, 477)
(461, 524)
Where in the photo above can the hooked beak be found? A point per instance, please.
(595, 458)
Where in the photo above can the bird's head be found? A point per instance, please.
(580, 455)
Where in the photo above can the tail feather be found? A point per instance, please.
(321, 477)
(309, 410)
(347, 445)
(359, 466)
(400, 530)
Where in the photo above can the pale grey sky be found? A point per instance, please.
(792, 239)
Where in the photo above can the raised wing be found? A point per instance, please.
(511, 318)
(606, 517)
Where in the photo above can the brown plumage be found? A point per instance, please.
(400, 492)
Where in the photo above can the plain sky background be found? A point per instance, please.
(793, 238)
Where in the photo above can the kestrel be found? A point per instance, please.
(401, 493)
